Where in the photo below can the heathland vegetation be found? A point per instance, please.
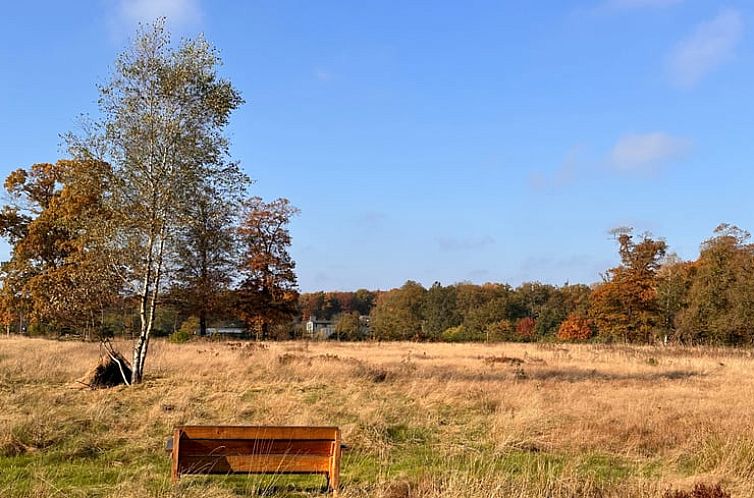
(423, 420)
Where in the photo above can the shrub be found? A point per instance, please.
(525, 328)
(574, 328)
(179, 336)
(699, 491)
(454, 334)
(186, 332)
(499, 331)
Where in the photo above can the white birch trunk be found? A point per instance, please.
(148, 307)
(143, 339)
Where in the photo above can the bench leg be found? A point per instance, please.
(334, 474)
(174, 470)
(334, 483)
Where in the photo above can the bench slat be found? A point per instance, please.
(260, 432)
(221, 447)
(261, 464)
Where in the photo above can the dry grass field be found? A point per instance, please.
(422, 420)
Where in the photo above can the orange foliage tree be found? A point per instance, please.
(574, 328)
(268, 294)
(59, 276)
(625, 306)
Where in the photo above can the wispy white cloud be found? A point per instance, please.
(647, 151)
(561, 176)
(464, 244)
(711, 44)
(638, 4)
(478, 275)
(631, 152)
(611, 7)
(371, 219)
(180, 14)
(322, 74)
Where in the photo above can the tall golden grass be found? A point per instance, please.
(422, 420)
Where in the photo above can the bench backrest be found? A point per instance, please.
(257, 449)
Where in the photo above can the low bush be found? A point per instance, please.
(179, 337)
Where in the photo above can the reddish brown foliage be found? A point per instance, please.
(574, 328)
(699, 491)
(268, 294)
(525, 327)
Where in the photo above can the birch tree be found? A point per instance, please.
(163, 114)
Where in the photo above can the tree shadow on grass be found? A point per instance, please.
(278, 485)
(578, 375)
(570, 374)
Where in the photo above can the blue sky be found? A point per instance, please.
(439, 140)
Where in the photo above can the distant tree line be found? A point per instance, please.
(228, 262)
(650, 297)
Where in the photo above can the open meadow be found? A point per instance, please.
(421, 420)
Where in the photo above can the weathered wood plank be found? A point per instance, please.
(334, 475)
(258, 432)
(175, 473)
(259, 464)
(221, 447)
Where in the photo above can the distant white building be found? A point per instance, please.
(229, 331)
(325, 329)
(320, 328)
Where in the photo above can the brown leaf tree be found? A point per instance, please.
(58, 277)
(625, 307)
(575, 328)
(268, 294)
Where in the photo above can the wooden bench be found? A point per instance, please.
(256, 450)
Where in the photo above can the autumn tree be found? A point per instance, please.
(30, 193)
(363, 301)
(268, 292)
(163, 115)
(526, 328)
(310, 304)
(489, 304)
(57, 275)
(674, 280)
(575, 328)
(532, 297)
(326, 305)
(561, 301)
(331, 306)
(624, 307)
(495, 331)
